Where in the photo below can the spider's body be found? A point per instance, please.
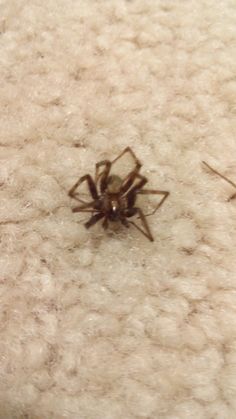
(112, 205)
(114, 198)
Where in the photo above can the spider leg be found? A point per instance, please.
(130, 151)
(79, 200)
(127, 183)
(91, 186)
(131, 195)
(154, 192)
(87, 207)
(107, 165)
(93, 220)
(103, 175)
(219, 174)
(146, 230)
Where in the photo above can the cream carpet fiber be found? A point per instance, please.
(107, 325)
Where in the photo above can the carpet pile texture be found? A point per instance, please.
(107, 325)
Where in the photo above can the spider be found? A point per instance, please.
(113, 198)
(223, 177)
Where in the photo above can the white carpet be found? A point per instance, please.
(99, 325)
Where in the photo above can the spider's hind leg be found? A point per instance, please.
(127, 183)
(91, 186)
(129, 150)
(103, 175)
(132, 193)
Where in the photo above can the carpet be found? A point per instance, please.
(106, 324)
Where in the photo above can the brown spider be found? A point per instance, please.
(223, 177)
(113, 198)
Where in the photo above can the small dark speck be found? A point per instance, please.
(187, 251)
(25, 416)
(79, 144)
(56, 101)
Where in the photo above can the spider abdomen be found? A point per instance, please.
(114, 184)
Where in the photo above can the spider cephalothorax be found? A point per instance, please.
(114, 198)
